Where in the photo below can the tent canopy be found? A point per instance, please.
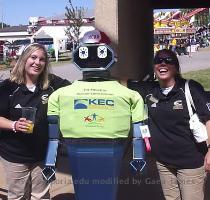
(42, 34)
(56, 32)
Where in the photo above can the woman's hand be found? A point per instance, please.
(23, 125)
(207, 161)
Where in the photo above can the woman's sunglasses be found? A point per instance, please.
(167, 60)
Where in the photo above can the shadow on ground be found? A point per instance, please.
(3, 196)
(140, 187)
(65, 196)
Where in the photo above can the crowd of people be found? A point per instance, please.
(183, 45)
(182, 163)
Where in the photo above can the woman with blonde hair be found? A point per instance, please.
(23, 153)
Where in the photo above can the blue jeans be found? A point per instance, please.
(173, 48)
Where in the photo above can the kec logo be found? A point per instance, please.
(93, 104)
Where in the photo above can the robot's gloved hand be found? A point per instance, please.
(138, 163)
(49, 171)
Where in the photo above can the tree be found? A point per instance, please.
(201, 18)
(75, 17)
(3, 25)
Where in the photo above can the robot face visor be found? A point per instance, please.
(93, 57)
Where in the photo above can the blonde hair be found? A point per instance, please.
(18, 72)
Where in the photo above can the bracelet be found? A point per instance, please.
(13, 126)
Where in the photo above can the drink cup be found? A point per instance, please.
(29, 113)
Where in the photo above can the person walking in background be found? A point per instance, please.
(182, 163)
(189, 46)
(173, 44)
(22, 153)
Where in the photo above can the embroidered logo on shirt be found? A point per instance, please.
(154, 105)
(208, 106)
(18, 106)
(178, 105)
(44, 98)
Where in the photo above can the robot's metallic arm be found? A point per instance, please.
(138, 163)
(49, 171)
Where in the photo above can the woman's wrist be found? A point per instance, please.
(14, 126)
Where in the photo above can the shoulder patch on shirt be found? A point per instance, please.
(208, 106)
(178, 105)
(152, 98)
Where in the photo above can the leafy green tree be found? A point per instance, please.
(201, 18)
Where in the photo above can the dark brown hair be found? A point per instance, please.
(172, 55)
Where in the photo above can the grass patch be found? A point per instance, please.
(201, 76)
(63, 59)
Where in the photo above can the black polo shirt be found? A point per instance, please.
(172, 141)
(22, 147)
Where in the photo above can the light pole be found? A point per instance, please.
(2, 24)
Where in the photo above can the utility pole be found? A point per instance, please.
(2, 24)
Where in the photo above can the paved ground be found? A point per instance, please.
(199, 60)
(136, 188)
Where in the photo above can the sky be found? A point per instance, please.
(16, 12)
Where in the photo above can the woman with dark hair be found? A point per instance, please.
(23, 153)
(182, 163)
(171, 58)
